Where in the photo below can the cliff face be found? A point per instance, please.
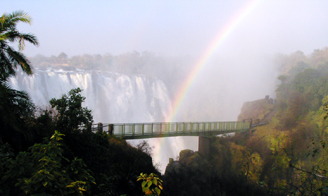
(257, 109)
(190, 175)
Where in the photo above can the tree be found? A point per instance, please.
(282, 78)
(69, 114)
(62, 55)
(15, 105)
(9, 57)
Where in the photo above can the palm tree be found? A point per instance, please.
(15, 106)
(9, 57)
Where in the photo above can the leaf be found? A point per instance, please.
(158, 191)
(149, 183)
(144, 189)
(148, 192)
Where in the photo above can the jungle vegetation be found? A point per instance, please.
(53, 151)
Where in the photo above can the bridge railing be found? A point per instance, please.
(171, 128)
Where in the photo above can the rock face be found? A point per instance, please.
(256, 110)
(191, 170)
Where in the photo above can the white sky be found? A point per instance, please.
(171, 27)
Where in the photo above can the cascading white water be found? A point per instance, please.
(113, 98)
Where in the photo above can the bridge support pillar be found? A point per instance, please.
(100, 127)
(89, 127)
(110, 129)
(204, 145)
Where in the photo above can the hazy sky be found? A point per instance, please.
(172, 27)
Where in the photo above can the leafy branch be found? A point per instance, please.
(151, 185)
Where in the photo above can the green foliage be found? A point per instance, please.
(114, 163)
(43, 170)
(151, 184)
(9, 57)
(282, 78)
(15, 109)
(69, 114)
(325, 103)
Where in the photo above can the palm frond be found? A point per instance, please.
(11, 36)
(18, 58)
(30, 38)
(10, 58)
(14, 35)
(7, 67)
(17, 16)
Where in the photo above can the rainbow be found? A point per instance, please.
(205, 57)
(158, 151)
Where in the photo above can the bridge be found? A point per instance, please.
(171, 129)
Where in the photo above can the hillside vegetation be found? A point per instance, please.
(288, 156)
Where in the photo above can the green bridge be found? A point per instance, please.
(171, 129)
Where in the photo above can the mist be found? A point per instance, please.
(173, 28)
(240, 68)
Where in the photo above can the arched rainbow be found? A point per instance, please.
(183, 90)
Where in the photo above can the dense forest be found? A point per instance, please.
(288, 156)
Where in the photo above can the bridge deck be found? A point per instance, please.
(172, 129)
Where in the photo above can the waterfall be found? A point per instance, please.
(112, 97)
